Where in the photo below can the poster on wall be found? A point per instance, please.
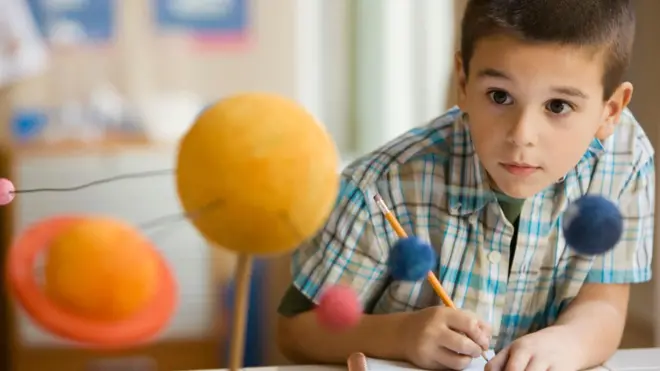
(75, 22)
(206, 22)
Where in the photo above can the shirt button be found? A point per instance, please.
(494, 257)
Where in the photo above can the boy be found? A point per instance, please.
(541, 121)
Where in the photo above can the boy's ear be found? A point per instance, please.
(613, 109)
(461, 80)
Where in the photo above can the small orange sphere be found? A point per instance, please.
(101, 269)
(257, 174)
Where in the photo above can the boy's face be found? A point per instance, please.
(534, 109)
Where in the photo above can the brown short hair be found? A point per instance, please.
(608, 24)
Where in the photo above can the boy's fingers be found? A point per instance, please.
(498, 362)
(485, 327)
(471, 326)
(486, 334)
(459, 343)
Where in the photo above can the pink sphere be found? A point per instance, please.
(6, 191)
(339, 308)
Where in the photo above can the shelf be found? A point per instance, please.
(111, 144)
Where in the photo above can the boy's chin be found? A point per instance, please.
(518, 192)
(520, 189)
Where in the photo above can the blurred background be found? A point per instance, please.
(95, 88)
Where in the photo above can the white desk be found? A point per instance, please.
(623, 360)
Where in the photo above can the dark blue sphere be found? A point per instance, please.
(411, 259)
(592, 225)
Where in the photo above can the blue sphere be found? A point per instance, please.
(592, 225)
(411, 259)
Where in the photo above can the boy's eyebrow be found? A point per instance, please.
(570, 91)
(564, 90)
(491, 72)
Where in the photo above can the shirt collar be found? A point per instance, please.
(571, 186)
(467, 182)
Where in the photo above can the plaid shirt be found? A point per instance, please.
(433, 182)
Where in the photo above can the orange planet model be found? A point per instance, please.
(101, 269)
(105, 285)
(257, 174)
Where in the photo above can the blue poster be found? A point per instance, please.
(202, 16)
(76, 21)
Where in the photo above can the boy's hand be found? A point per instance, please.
(442, 337)
(546, 350)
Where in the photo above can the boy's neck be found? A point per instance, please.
(501, 196)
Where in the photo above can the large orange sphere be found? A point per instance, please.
(257, 174)
(101, 269)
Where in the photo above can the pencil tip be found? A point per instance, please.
(377, 198)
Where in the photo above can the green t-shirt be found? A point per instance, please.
(511, 207)
(294, 302)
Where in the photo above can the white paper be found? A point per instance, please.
(635, 360)
(478, 364)
(23, 52)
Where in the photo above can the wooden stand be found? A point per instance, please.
(242, 284)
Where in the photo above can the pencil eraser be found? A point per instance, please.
(592, 225)
(6, 191)
(411, 259)
(339, 308)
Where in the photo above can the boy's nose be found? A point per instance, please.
(523, 130)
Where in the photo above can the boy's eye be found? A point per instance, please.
(558, 107)
(500, 97)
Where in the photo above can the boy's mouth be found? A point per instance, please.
(519, 169)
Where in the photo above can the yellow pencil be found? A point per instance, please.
(433, 280)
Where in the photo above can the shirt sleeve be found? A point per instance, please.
(346, 250)
(630, 260)
(293, 303)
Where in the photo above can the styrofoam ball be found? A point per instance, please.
(411, 259)
(339, 308)
(592, 225)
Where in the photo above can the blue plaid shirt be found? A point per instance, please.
(432, 180)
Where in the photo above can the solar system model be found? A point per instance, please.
(257, 175)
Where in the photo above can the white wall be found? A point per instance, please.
(323, 64)
(404, 58)
(645, 76)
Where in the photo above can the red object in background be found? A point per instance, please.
(223, 25)
(230, 42)
(339, 308)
